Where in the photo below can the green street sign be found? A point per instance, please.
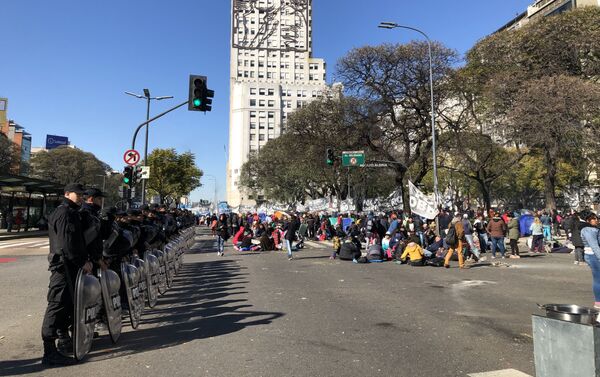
(353, 158)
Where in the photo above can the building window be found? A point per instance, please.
(251, 137)
(252, 91)
(261, 137)
(270, 91)
(271, 103)
(252, 102)
(261, 91)
(261, 103)
(252, 114)
(271, 114)
(252, 125)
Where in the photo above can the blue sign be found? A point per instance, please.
(53, 141)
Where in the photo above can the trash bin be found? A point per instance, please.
(566, 342)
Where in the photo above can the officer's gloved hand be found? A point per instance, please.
(87, 267)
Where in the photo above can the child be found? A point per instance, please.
(337, 241)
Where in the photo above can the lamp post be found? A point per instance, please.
(148, 98)
(393, 25)
(215, 179)
(110, 174)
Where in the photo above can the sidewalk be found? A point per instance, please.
(33, 232)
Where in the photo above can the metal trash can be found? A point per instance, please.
(566, 342)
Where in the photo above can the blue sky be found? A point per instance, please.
(66, 63)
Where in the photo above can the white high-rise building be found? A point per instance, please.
(272, 74)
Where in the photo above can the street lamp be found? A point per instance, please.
(148, 98)
(393, 25)
(215, 179)
(110, 174)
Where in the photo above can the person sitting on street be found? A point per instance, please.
(337, 241)
(434, 247)
(414, 253)
(349, 251)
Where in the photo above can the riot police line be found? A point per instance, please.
(129, 259)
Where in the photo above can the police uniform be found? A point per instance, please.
(67, 255)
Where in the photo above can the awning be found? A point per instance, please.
(19, 183)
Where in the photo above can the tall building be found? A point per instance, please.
(19, 137)
(272, 74)
(543, 8)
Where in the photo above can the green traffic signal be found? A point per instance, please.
(197, 102)
(126, 180)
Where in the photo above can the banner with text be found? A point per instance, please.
(420, 203)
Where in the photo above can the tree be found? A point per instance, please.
(393, 80)
(507, 69)
(560, 126)
(292, 167)
(8, 157)
(172, 175)
(67, 165)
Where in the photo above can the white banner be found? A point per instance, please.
(420, 203)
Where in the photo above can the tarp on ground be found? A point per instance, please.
(525, 222)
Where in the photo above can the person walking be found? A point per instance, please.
(222, 232)
(290, 235)
(19, 220)
(497, 230)
(546, 226)
(537, 234)
(513, 235)
(455, 227)
(590, 235)
(67, 255)
(576, 224)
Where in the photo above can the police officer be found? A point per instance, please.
(95, 230)
(67, 255)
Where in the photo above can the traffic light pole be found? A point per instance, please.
(147, 122)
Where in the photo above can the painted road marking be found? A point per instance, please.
(39, 244)
(7, 260)
(17, 244)
(500, 373)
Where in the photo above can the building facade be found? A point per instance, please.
(543, 8)
(19, 137)
(272, 74)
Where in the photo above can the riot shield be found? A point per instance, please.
(152, 272)
(162, 271)
(170, 264)
(131, 278)
(143, 281)
(87, 294)
(110, 284)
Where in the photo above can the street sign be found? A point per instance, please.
(131, 157)
(145, 172)
(353, 158)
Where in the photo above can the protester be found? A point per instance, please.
(590, 235)
(456, 230)
(513, 235)
(537, 233)
(497, 230)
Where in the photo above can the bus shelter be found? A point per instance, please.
(28, 200)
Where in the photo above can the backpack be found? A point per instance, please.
(435, 262)
(451, 238)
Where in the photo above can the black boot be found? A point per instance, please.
(52, 357)
(64, 343)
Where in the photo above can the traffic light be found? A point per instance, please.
(200, 97)
(330, 156)
(128, 176)
(138, 173)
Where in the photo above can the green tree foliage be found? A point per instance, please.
(172, 175)
(393, 79)
(537, 86)
(292, 167)
(66, 165)
(8, 157)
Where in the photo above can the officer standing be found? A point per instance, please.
(67, 255)
(95, 230)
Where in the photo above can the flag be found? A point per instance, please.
(421, 204)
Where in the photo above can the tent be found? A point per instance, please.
(525, 222)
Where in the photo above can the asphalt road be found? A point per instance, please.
(258, 314)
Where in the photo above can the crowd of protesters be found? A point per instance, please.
(410, 239)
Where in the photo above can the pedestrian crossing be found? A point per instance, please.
(25, 245)
(500, 373)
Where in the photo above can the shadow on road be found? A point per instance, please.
(205, 301)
